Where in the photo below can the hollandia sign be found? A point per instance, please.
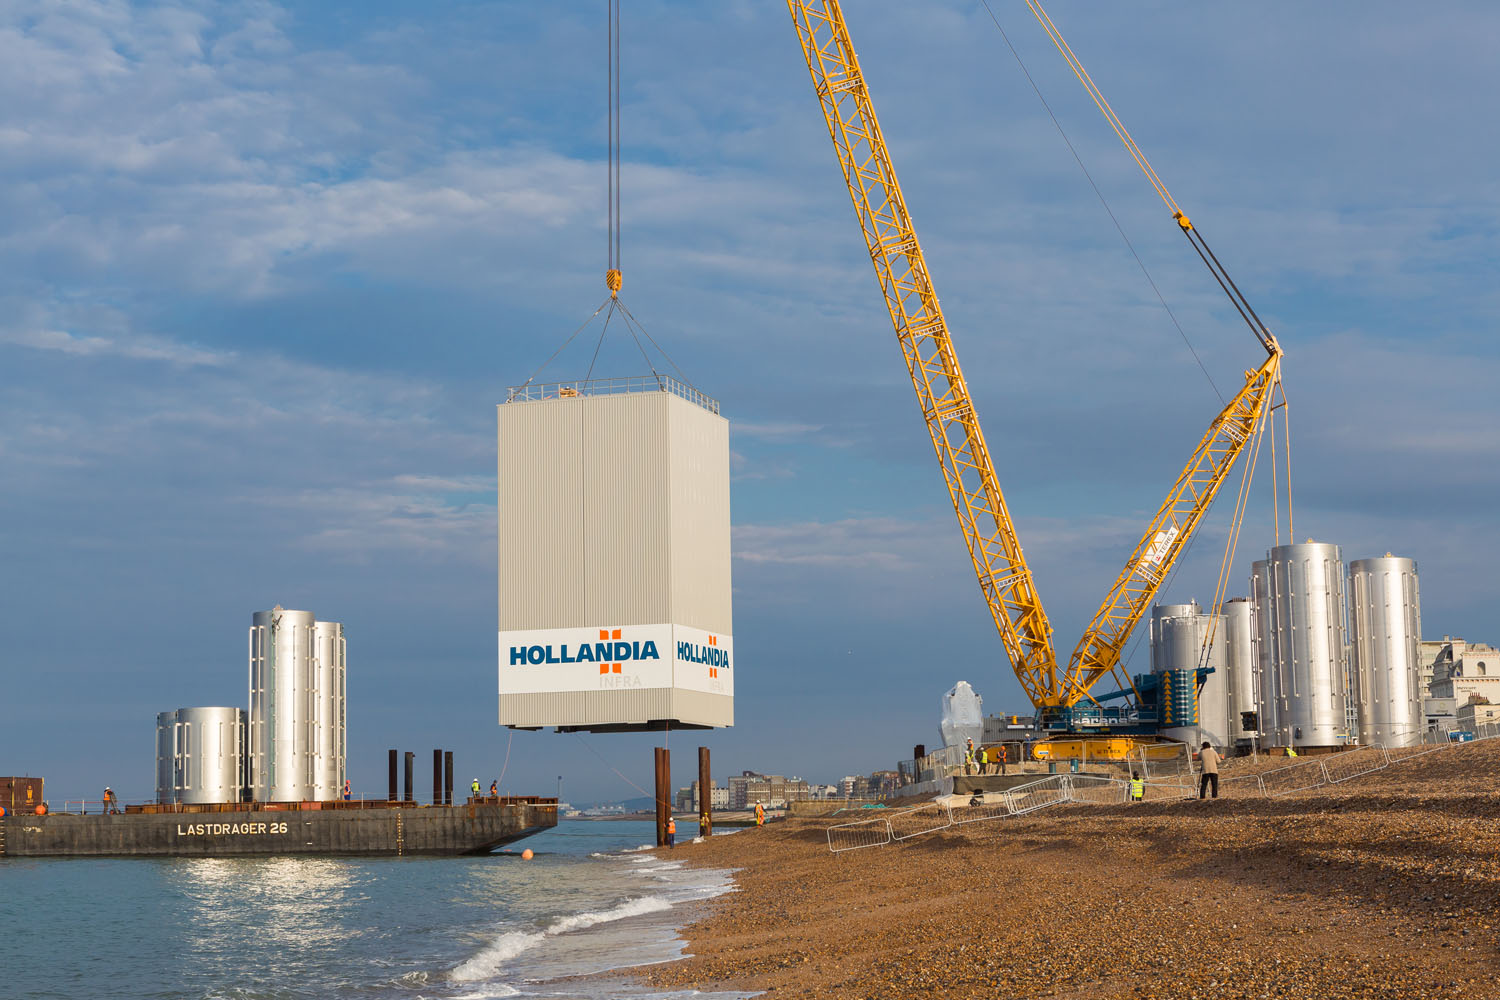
(608, 657)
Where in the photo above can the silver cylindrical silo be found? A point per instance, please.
(1184, 638)
(212, 742)
(330, 715)
(1306, 632)
(200, 755)
(166, 757)
(1266, 688)
(1239, 661)
(1385, 618)
(1172, 649)
(282, 706)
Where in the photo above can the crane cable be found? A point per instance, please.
(1103, 201)
(613, 278)
(1221, 275)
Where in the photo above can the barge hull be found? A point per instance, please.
(465, 829)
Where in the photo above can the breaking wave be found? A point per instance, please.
(488, 963)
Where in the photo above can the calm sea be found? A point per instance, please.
(591, 899)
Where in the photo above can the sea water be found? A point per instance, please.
(593, 898)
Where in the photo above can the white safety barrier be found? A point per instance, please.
(929, 818)
(992, 807)
(1167, 783)
(1353, 763)
(873, 832)
(1049, 791)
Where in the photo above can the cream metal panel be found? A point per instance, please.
(627, 512)
(613, 513)
(584, 709)
(702, 594)
(541, 549)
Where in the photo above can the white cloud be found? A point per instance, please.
(143, 348)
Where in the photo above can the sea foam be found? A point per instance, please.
(507, 946)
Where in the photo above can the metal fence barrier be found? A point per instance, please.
(1166, 780)
(874, 832)
(929, 818)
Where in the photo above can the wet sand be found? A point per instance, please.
(1385, 886)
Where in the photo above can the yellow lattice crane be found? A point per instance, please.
(990, 534)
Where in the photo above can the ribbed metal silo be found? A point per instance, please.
(1267, 690)
(200, 755)
(283, 679)
(1243, 674)
(1385, 618)
(330, 714)
(1304, 608)
(1172, 649)
(1179, 635)
(166, 756)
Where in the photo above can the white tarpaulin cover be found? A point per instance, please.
(963, 716)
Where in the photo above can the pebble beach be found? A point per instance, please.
(1385, 886)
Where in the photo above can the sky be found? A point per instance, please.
(265, 270)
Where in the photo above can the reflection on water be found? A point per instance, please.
(245, 913)
(312, 928)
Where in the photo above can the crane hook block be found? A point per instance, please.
(1182, 220)
(613, 279)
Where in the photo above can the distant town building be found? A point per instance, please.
(687, 798)
(1428, 651)
(1477, 712)
(1461, 671)
(750, 788)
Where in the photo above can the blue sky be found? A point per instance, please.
(265, 270)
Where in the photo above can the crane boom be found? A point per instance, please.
(1098, 651)
(917, 316)
(901, 269)
(1169, 532)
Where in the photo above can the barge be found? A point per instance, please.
(390, 829)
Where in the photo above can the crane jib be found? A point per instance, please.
(953, 424)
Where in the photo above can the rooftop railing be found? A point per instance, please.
(530, 392)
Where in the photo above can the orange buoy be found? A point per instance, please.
(526, 855)
(41, 809)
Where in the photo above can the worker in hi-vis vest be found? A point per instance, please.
(1137, 787)
(984, 760)
(474, 787)
(760, 814)
(671, 831)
